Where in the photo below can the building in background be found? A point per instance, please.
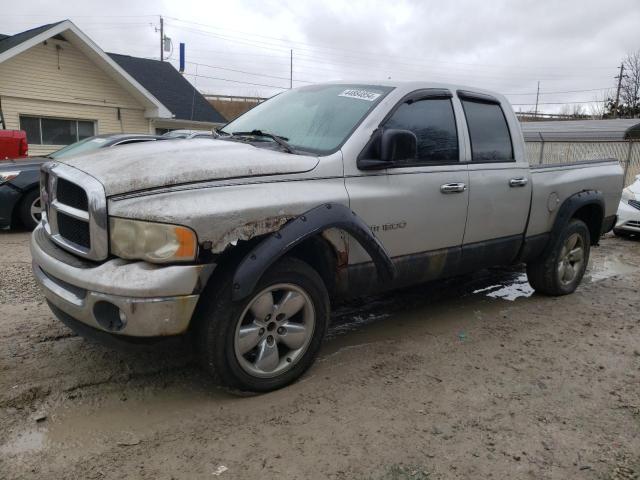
(231, 107)
(60, 87)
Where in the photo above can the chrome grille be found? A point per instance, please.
(74, 230)
(74, 214)
(72, 195)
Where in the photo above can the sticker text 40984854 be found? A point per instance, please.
(360, 94)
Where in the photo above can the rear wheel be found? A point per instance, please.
(561, 269)
(269, 339)
(30, 209)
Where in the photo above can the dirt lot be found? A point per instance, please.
(470, 378)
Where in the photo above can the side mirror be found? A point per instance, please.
(391, 145)
(396, 145)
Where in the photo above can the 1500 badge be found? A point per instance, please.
(388, 226)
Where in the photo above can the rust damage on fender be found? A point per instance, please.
(248, 231)
(338, 239)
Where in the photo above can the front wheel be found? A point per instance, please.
(560, 270)
(269, 339)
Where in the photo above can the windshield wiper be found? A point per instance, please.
(282, 141)
(219, 133)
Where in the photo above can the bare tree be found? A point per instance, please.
(630, 91)
(598, 108)
(575, 110)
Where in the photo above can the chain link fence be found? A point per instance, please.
(626, 152)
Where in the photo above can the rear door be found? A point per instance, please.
(499, 186)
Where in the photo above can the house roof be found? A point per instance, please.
(9, 41)
(16, 44)
(582, 130)
(170, 87)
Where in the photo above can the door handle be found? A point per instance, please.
(518, 182)
(453, 188)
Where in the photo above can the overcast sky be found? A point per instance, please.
(504, 45)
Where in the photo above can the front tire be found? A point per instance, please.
(560, 270)
(269, 339)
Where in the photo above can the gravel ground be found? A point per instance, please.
(470, 378)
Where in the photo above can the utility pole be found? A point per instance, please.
(291, 70)
(535, 115)
(161, 39)
(619, 77)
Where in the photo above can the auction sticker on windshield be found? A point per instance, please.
(360, 94)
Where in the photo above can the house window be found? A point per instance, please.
(55, 131)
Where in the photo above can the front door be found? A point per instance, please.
(417, 207)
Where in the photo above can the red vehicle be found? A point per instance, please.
(13, 144)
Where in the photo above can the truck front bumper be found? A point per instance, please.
(121, 297)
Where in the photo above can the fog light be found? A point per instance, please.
(109, 316)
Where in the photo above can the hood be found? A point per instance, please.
(147, 165)
(635, 186)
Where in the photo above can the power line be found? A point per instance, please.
(235, 81)
(557, 103)
(311, 56)
(287, 44)
(319, 58)
(249, 73)
(565, 91)
(80, 16)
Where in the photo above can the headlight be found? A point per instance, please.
(8, 176)
(627, 195)
(154, 242)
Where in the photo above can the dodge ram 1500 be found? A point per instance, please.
(321, 192)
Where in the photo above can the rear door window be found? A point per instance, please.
(488, 131)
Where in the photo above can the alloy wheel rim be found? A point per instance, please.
(36, 210)
(571, 259)
(274, 330)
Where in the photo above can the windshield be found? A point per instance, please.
(83, 146)
(318, 118)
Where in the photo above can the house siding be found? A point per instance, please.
(47, 81)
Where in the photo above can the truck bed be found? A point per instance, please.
(553, 184)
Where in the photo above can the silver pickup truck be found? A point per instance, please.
(321, 192)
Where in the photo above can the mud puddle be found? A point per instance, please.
(609, 266)
(514, 288)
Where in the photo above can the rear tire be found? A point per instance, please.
(269, 339)
(560, 270)
(29, 209)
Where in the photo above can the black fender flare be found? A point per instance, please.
(312, 222)
(570, 206)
